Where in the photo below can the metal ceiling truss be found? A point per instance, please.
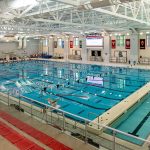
(62, 15)
(137, 11)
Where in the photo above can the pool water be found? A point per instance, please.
(67, 83)
(135, 121)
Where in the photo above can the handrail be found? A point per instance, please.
(90, 121)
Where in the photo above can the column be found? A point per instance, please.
(134, 51)
(107, 49)
(66, 48)
(51, 46)
(84, 50)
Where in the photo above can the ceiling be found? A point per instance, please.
(39, 17)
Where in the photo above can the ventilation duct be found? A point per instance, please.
(101, 3)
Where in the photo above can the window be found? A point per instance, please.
(98, 53)
(93, 53)
(120, 40)
(59, 42)
(76, 41)
(45, 42)
(148, 40)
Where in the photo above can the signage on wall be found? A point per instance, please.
(94, 41)
(71, 44)
(113, 44)
(142, 43)
(80, 43)
(55, 44)
(127, 44)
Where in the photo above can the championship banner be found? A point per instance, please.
(55, 44)
(127, 44)
(80, 43)
(71, 44)
(113, 44)
(142, 43)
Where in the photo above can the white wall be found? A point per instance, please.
(31, 48)
(144, 52)
(141, 52)
(120, 48)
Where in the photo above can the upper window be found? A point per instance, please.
(120, 40)
(59, 42)
(148, 40)
(76, 41)
(45, 42)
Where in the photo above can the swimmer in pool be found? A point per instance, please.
(57, 86)
(44, 89)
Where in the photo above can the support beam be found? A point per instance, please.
(26, 10)
(121, 16)
(65, 23)
(68, 2)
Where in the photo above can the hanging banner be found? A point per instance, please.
(127, 45)
(80, 44)
(142, 43)
(113, 44)
(55, 44)
(62, 44)
(71, 44)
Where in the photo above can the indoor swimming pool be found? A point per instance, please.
(84, 90)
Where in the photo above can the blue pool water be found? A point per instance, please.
(135, 121)
(74, 94)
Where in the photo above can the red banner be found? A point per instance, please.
(127, 44)
(142, 43)
(71, 44)
(113, 44)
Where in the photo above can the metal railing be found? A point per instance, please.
(86, 129)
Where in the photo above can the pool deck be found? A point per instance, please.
(68, 140)
(137, 66)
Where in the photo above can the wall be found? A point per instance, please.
(59, 50)
(144, 52)
(71, 38)
(7, 47)
(120, 48)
